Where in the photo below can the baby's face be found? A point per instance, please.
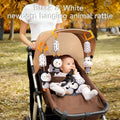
(67, 65)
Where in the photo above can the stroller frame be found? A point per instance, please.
(38, 102)
(37, 93)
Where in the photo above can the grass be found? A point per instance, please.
(106, 72)
(14, 92)
(14, 86)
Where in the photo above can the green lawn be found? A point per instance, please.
(14, 86)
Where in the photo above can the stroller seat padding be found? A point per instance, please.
(73, 105)
(77, 104)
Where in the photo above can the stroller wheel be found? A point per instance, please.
(26, 118)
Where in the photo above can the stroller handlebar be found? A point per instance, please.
(28, 49)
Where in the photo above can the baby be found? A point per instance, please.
(68, 63)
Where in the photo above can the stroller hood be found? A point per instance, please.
(71, 42)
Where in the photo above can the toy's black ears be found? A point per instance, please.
(91, 56)
(56, 57)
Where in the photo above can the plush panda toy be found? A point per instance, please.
(71, 87)
(45, 77)
(87, 64)
(69, 84)
(68, 88)
(56, 64)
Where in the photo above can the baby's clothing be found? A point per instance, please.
(78, 79)
(68, 89)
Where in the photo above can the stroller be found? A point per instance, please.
(69, 107)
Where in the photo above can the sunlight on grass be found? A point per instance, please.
(14, 85)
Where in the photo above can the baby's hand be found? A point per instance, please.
(75, 71)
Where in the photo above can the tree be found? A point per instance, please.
(1, 28)
(11, 7)
(94, 19)
(3, 8)
(98, 8)
(16, 5)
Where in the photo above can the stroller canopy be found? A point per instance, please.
(71, 42)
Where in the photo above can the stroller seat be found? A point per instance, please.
(71, 106)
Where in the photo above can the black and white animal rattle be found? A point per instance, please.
(56, 64)
(45, 76)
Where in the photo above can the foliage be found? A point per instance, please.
(11, 9)
(14, 7)
(95, 7)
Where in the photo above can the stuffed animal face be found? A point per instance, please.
(74, 85)
(70, 87)
(57, 63)
(45, 77)
(87, 62)
(69, 90)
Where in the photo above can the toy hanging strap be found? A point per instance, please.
(45, 76)
(56, 62)
(53, 33)
(87, 47)
(55, 42)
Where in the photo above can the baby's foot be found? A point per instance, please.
(94, 92)
(91, 94)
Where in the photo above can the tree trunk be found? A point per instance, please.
(93, 26)
(11, 36)
(94, 19)
(1, 28)
(72, 24)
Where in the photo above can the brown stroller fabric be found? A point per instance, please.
(75, 104)
(71, 43)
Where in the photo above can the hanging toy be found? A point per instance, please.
(69, 84)
(87, 64)
(45, 76)
(56, 46)
(55, 43)
(87, 49)
(42, 60)
(56, 62)
(42, 57)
